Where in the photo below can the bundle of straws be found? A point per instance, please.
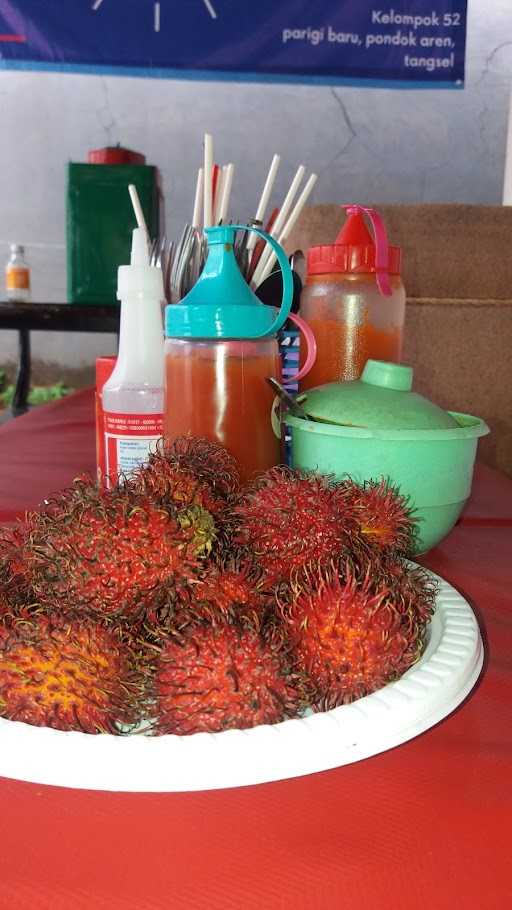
(182, 262)
(213, 186)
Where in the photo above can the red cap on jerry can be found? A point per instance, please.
(115, 155)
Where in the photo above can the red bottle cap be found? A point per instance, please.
(354, 250)
(115, 155)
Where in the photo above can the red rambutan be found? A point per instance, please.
(8, 605)
(189, 471)
(231, 586)
(383, 515)
(12, 570)
(106, 553)
(352, 635)
(77, 675)
(289, 520)
(224, 676)
(414, 590)
(231, 589)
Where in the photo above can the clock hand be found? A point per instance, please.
(211, 9)
(156, 20)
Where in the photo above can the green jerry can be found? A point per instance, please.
(99, 225)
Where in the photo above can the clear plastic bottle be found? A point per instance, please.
(217, 389)
(17, 275)
(354, 300)
(221, 346)
(133, 396)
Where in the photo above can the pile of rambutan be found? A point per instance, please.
(180, 602)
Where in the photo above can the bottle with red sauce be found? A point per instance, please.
(221, 345)
(354, 300)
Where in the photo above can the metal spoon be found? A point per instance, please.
(286, 399)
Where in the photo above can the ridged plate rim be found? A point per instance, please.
(428, 692)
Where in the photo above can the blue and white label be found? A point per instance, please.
(353, 41)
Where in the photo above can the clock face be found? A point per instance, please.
(156, 11)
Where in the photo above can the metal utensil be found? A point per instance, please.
(242, 251)
(298, 264)
(157, 251)
(167, 268)
(291, 404)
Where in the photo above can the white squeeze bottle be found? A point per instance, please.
(133, 396)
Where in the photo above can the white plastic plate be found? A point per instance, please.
(429, 691)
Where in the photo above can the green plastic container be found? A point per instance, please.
(376, 427)
(99, 225)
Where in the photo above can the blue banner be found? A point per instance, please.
(400, 42)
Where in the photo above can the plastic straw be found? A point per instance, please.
(265, 196)
(260, 245)
(279, 222)
(299, 205)
(198, 198)
(227, 183)
(207, 180)
(216, 173)
(137, 208)
(287, 229)
(217, 200)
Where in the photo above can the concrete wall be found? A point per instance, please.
(367, 145)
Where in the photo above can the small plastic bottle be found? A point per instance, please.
(17, 275)
(133, 396)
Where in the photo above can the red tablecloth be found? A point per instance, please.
(424, 825)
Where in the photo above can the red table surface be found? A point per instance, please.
(424, 825)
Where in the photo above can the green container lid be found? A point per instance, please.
(381, 399)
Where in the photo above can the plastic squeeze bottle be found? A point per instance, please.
(133, 396)
(354, 300)
(221, 345)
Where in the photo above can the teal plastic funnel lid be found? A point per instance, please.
(381, 399)
(221, 304)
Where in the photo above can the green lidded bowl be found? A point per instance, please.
(377, 427)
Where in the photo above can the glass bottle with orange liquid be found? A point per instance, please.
(221, 345)
(354, 300)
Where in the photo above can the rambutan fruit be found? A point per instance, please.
(289, 519)
(105, 553)
(384, 516)
(353, 633)
(74, 675)
(413, 587)
(231, 588)
(224, 676)
(11, 565)
(5, 606)
(9, 605)
(189, 471)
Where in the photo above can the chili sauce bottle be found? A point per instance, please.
(353, 300)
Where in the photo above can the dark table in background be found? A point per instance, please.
(49, 317)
